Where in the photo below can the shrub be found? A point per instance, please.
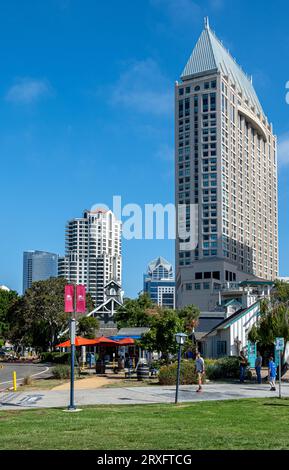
(27, 380)
(56, 357)
(61, 371)
(216, 369)
(168, 374)
(223, 368)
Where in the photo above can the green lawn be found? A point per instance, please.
(237, 424)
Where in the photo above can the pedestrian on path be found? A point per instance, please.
(272, 374)
(243, 364)
(258, 367)
(200, 370)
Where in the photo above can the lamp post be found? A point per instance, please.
(74, 301)
(72, 406)
(180, 339)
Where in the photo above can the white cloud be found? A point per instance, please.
(283, 149)
(144, 88)
(28, 90)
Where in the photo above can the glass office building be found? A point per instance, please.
(159, 283)
(38, 266)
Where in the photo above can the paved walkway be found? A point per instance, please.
(22, 370)
(135, 395)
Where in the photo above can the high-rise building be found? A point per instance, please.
(159, 283)
(38, 266)
(93, 252)
(226, 166)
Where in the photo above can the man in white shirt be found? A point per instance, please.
(200, 370)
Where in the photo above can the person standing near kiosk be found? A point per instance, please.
(272, 374)
(258, 367)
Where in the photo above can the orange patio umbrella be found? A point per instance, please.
(104, 341)
(126, 342)
(79, 341)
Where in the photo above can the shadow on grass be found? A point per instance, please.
(281, 403)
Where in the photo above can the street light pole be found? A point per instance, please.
(178, 374)
(280, 371)
(180, 339)
(72, 343)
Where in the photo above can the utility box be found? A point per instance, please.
(90, 359)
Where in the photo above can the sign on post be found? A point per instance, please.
(279, 347)
(279, 344)
(80, 299)
(69, 299)
(252, 353)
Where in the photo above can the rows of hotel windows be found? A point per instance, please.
(208, 277)
(256, 195)
(238, 179)
(188, 176)
(205, 86)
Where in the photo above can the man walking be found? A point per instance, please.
(258, 367)
(243, 364)
(272, 373)
(200, 370)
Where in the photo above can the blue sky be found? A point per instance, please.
(86, 92)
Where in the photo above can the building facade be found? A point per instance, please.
(105, 312)
(93, 252)
(226, 169)
(159, 283)
(38, 266)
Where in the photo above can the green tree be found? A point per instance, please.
(161, 336)
(273, 320)
(281, 292)
(135, 312)
(7, 300)
(190, 314)
(88, 327)
(38, 318)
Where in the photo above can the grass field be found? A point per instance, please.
(242, 424)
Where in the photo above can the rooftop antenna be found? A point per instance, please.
(207, 25)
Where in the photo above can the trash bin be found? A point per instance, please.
(100, 367)
(90, 359)
(143, 372)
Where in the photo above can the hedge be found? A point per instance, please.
(168, 374)
(61, 371)
(224, 368)
(216, 369)
(56, 357)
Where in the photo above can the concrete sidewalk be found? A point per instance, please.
(135, 395)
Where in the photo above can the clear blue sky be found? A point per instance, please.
(86, 91)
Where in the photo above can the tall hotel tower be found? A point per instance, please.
(93, 252)
(225, 165)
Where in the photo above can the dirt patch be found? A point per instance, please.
(88, 383)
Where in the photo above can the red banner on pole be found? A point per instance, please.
(80, 299)
(68, 299)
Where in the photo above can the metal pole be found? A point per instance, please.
(178, 374)
(14, 382)
(72, 342)
(279, 374)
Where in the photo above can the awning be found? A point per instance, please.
(126, 342)
(104, 341)
(79, 341)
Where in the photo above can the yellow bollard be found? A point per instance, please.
(14, 382)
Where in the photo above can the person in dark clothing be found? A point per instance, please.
(258, 367)
(243, 364)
